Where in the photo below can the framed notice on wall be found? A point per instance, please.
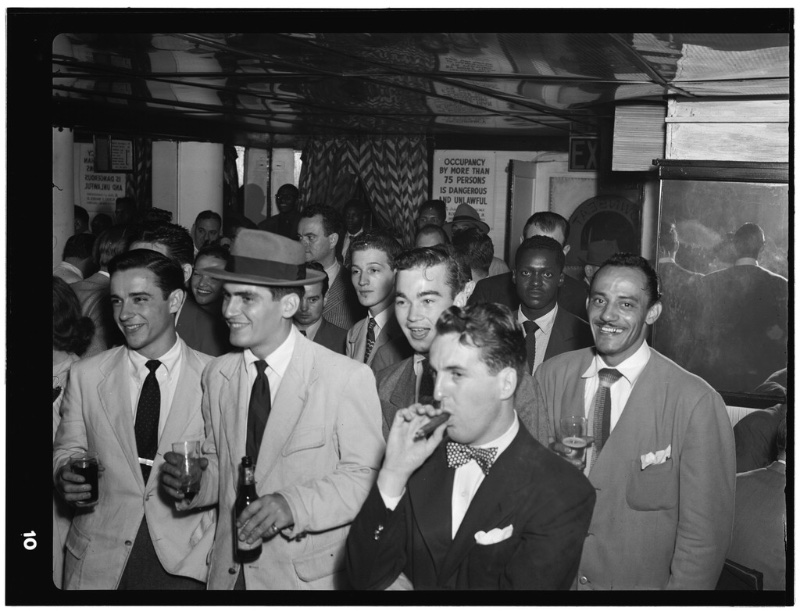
(113, 154)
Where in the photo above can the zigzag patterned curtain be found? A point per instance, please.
(139, 184)
(392, 171)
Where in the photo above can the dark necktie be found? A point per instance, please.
(258, 411)
(147, 414)
(426, 384)
(303, 332)
(459, 454)
(602, 409)
(530, 342)
(370, 338)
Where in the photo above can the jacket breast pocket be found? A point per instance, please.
(305, 439)
(654, 488)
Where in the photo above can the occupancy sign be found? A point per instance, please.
(464, 177)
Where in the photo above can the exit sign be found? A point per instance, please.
(583, 154)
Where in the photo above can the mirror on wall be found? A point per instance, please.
(723, 260)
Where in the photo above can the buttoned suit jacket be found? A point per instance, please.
(760, 520)
(501, 289)
(97, 415)
(547, 502)
(321, 451)
(669, 525)
(94, 294)
(200, 330)
(397, 390)
(332, 337)
(391, 341)
(342, 307)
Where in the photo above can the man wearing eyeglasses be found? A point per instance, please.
(285, 222)
(318, 231)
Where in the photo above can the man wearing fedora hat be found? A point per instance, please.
(465, 217)
(310, 418)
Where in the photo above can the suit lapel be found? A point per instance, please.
(559, 336)
(335, 293)
(494, 501)
(430, 492)
(290, 401)
(114, 391)
(405, 390)
(233, 405)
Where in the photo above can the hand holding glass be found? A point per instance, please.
(87, 464)
(573, 440)
(189, 451)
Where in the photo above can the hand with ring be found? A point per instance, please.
(264, 518)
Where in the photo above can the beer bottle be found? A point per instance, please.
(246, 495)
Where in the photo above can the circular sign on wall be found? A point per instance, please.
(607, 219)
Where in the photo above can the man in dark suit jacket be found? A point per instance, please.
(549, 329)
(308, 318)
(285, 222)
(500, 289)
(195, 326)
(742, 324)
(491, 508)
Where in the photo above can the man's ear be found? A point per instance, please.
(507, 379)
(653, 312)
(566, 249)
(290, 303)
(333, 239)
(187, 272)
(462, 297)
(176, 299)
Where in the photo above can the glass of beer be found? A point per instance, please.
(87, 464)
(190, 467)
(572, 437)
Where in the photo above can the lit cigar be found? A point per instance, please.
(430, 426)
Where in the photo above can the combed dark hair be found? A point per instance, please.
(168, 273)
(175, 238)
(215, 250)
(112, 242)
(317, 266)
(549, 222)
(437, 205)
(476, 247)
(279, 292)
(491, 327)
(79, 245)
(81, 214)
(378, 239)
(100, 223)
(541, 242)
(209, 215)
(332, 221)
(157, 215)
(628, 259)
(748, 240)
(456, 276)
(431, 229)
(72, 332)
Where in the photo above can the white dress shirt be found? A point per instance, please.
(468, 479)
(333, 271)
(545, 324)
(167, 375)
(347, 239)
(277, 362)
(418, 358)
(621, 390)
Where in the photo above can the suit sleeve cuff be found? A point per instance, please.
(391, 502)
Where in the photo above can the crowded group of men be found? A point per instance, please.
(327, 352)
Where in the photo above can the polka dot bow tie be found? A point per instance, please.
(459, 454)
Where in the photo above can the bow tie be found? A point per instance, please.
(459, 454)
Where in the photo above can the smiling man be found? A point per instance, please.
(663, 457)
(309, 417)
(372, 273)
(130, 404)
(206, 230)
(489, 509)
(549, 329)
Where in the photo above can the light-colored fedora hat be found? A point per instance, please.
(597, 252)
(268, 259)
(467, 214)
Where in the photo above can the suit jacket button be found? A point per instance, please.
(583, 580)
(129, 543)
(232, 570)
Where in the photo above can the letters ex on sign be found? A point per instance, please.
(583, 154)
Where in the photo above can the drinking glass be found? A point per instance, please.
(190, 467)
(573, 440)
(87, 464)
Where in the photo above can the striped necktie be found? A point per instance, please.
(602, 409)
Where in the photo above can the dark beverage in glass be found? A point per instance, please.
(245, 496)
(190, 490)
(87, 466)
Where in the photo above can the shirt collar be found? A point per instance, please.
(382, 318)
(631, 367)
(502, 442)
(545, 322)
(333, 270)
(278, 359)
(71, 267)
(105, 273)
(311, 330)
(168, 359)
(356, 234)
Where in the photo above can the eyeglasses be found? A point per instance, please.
(309, 238)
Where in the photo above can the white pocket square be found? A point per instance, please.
(656, 459)
(494, 536)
